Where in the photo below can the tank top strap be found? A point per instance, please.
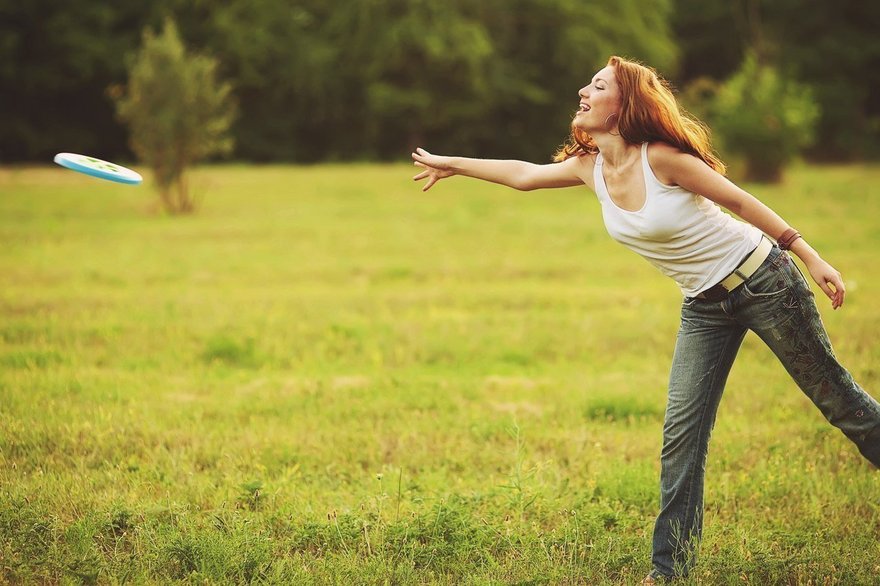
(599, 178)
(646, 167)
(652, 182)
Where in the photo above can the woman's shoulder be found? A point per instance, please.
(662, 150)
(585, 165)
(666, 160)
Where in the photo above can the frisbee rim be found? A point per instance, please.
(126, 175)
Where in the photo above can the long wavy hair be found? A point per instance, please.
(649, 112)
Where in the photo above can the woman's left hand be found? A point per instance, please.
(829, 280)
(435, 167)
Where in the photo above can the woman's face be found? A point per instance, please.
(598, 101)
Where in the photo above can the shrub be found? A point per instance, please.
(765, 118)
(177, 113)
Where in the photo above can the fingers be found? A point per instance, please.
(836, 282)
(833, 287)
(828, 291)
(830, 281)
(423, 174)
(418, 160)
(427, 173)
(435, 168)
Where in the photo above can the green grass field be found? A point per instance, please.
(329, 377)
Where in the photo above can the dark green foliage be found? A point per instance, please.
(357, 79)
(343, 80)
(55, 62)
(833, 47)
(372, 80)
(712, 38)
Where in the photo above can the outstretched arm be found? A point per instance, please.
(674, 167)
(519, 175)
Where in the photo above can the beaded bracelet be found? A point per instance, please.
(787, 239)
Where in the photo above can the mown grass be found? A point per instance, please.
(327, 376)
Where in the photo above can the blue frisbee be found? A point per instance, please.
(98, 168)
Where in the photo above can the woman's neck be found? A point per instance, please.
(616, 152)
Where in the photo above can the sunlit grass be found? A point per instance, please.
(327, 376)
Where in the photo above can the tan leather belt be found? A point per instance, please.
(740, 275)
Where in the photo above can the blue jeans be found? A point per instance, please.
(777, 304)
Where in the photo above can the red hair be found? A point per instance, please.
(649, 112)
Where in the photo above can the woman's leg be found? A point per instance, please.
(780, 307)
(707, 344)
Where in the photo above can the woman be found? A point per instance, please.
(646, 162)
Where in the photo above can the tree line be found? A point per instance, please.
(369, 79)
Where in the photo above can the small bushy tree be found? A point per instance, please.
(764, 118)
(177, 111)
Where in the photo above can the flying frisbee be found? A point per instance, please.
(98, 168)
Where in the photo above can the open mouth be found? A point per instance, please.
(583, 108)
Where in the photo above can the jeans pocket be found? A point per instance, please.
(767, 282)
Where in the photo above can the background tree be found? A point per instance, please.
(56, 59)
(366, 79)
(832, 47)
(426, 75)
(297, 96)
(763, 118)
(363, 79)
(177, 113)
(543, 52)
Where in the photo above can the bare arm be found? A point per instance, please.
(519, 175)
(674, 167)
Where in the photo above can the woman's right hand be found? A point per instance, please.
(435, 167)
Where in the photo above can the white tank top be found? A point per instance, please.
(681, 233)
